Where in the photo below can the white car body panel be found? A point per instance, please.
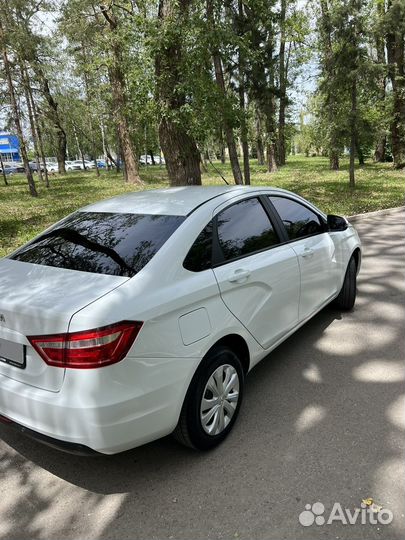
(37, 300)
(185, 313)
(52, 167)
(266, 300)
(319, 272)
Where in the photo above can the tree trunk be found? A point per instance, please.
(103, 142)
(327, 44)
(3, 172)
(353, 131)
(221, 146)
(359, 151)
(118, 87)
(271, 157)
(54, 117)
(16, 115)
(39, 133)
(333, 160)
(178, 145)
(83, 161)
(379, 153)
(110, 159)
(259, 139)
(204, 158)
(181, 154)
(79, 148)
(270, 110)
(396, 71)
(219, 78)
(229, 136)
(119, 164)
(27, 89)
(282, 89)
(242, 106)
(119, 100)
(88, 106)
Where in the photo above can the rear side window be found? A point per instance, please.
(200, 255)
(100, 242)
(298, 220)
(244, 228)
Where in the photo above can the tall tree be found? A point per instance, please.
(52, 111)
(379, 43)
(352, 63)
(118, 85)
(261, 70)
(283, 84)
(28, 44)
(15, 108)
(330, 91)
(220, 80)
(259, 137)
(395, 40)
(34, 132)
(178, 144)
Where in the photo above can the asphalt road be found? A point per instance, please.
(323, 421)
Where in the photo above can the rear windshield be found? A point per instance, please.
(102, 243)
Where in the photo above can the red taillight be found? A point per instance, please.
(87, 349)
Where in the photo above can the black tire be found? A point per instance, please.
(347, 296)
(190, 430)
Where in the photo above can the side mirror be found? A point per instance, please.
(337, 223)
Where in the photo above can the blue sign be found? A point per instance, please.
(9, 147)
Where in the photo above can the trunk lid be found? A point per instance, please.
(39, 300)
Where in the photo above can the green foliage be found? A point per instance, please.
(334, 42)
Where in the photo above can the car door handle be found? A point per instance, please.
(239, 275)
(308, 252)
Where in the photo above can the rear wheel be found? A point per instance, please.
(347, 296)
(213, 400)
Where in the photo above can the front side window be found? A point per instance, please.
(298, 220)
(101, 242)
(244, 228)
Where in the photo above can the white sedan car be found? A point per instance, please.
(79, 165)
(52, 166)
(141, 315)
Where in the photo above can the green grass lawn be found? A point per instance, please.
(22, 216)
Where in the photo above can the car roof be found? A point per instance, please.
(176, 201)
(179, 201)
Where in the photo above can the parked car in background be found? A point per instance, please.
(145, 160)
(102, 351)
(101, 164)
(69, 165)
(159, 160)
(14, 167)
(52, 167)
(9, 170)
(33, 166)
(151, 160)
(77, 165)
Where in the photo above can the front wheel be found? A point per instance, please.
(347, 296)
(213, 400)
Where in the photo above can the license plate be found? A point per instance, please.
(12, 353)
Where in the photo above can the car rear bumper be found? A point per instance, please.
(71, 448)
(106, 410)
